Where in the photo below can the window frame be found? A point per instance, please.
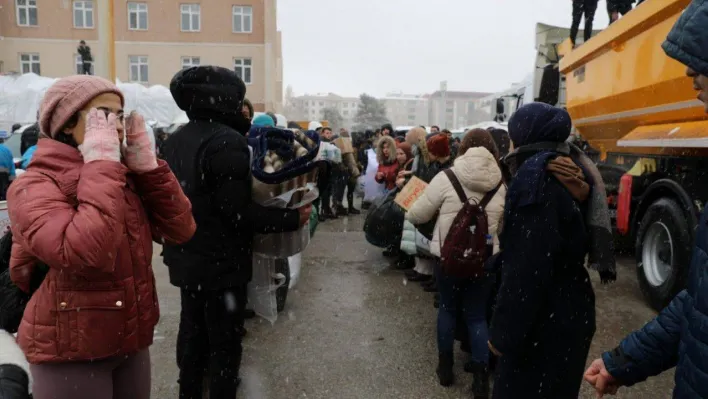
(243, 15)
(137, 13)
(84, 11)
(139, 64)
(191, 14)
(243, 67)
(30, 62)
(27, 7)
(191, 59)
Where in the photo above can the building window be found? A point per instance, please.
(188, 62)
(83, 14)
(29, 63)
(138, 68)
(242, 19)
(137, 16)
(80, 65)
(191, 15)
(321, 104)
(26, 12)
(242, 67)
(345, 112)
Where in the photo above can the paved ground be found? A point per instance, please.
(353, 329)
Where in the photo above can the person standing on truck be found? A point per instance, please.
(677, 337)
(580, 8)
(86, 58)
(615, 8)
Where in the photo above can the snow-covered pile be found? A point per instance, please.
(20, 96)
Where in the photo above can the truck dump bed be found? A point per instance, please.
(626, 96)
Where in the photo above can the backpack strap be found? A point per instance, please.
(488, 197)
(456, 185)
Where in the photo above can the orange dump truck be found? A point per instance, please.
(639, 114)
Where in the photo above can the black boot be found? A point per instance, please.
(391, 252)
(341, 210)
(432, 286)
(404, 262)
(354, 211)
(444, 370)
(480, 385)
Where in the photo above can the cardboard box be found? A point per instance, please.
(410, 193)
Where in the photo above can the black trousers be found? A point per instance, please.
(620, 6)
(580, 8)
(209, 342)
(345, 182)
(86, 68)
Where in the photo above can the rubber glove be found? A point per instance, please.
(139, 153)
(101, 139)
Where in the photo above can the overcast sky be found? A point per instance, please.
(378, 46)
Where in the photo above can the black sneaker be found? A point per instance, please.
(354, 211)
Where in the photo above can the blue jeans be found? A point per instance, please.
(472, 296)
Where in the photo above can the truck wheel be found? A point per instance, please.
(663, 252)
(281, 294)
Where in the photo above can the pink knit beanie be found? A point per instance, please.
(69, 95)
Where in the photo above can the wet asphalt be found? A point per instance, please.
(353, 328)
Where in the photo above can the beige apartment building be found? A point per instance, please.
(153, 40)
(453, 109)
(406, 109)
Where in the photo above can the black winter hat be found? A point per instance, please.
(203, 91)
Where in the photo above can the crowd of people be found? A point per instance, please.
(510, 220)
(529, 314)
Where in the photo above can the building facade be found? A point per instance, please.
(453, 109)
(153, 40)
(311, 107)
(406, 109)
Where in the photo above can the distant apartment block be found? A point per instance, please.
(153, 40)
(453, 109)
(406, 109)
(311, 107)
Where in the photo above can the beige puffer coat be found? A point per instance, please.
(479, 173)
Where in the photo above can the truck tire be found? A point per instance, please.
(281, 294)
(663, 252)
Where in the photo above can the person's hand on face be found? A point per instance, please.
(598, 376)
(100, 141)
(139, 153)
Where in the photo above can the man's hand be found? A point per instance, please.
(379, 176)
(400, 183)
(598, 376)
(305, 213)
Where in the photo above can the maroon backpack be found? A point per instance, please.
(468, 244)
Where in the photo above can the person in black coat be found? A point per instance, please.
(211, 158)
(29, 137)
(544, 318)
(14, 369)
